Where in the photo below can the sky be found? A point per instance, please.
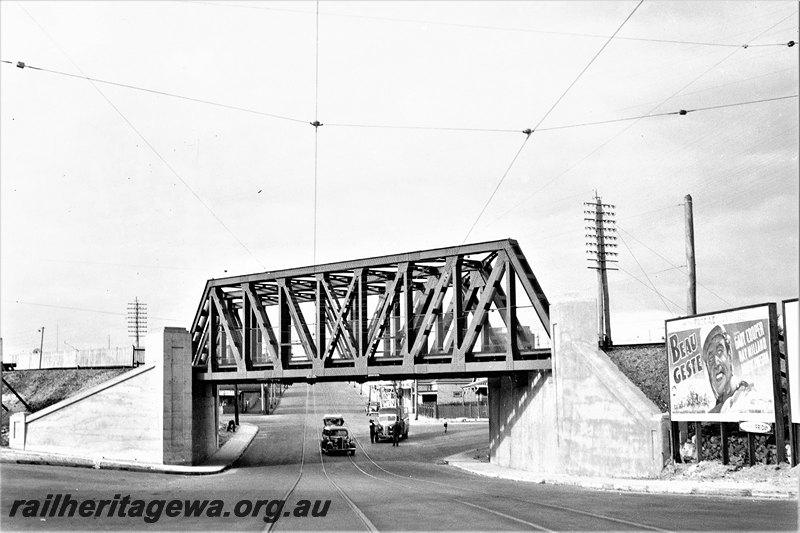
(189, 154)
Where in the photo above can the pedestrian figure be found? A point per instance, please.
(231, 426)
(396, 433)
(445, 426)
(371, 431)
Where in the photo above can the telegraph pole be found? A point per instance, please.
(41, 347)
(691, 296)
(691, 309)
(137, 320)
(599, 239)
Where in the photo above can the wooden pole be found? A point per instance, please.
(724, 438)
(751, 449)
(691, 295)
(602, 278)
(698, 441)
(780, 436)
(236, 404)
(41, 347)
(676, 441)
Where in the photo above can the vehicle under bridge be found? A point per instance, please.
(446, 312)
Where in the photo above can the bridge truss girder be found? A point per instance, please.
(407, 316)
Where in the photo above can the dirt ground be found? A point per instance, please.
(783, 477)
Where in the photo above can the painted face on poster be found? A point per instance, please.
(721, 367)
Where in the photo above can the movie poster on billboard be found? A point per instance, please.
(720, 366)
(790, 335)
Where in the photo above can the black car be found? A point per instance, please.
(337, 439)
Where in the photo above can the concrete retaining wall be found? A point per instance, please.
(118, 419)
(146, 415)
(583, 418)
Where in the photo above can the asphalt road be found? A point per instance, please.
(283, 483)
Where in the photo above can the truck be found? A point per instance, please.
(387, 418)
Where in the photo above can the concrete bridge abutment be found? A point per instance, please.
(584, 417)
(154, 414)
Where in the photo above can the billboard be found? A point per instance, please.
(721, 366)
(790, 327)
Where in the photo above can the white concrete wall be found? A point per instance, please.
(119, 419)
(144, 415)
(177, 396)
(583, 418)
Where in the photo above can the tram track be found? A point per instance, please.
(368, 525)
(539, 527)
(271, 526)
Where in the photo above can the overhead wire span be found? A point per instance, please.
(587, 65)
(645, 273)
(495, 28)
(21, 64)
(637, 119)
(621, 229)
(662, 297)
(679, 112)
(316, 123)
(528, 132)
(427, 128)
(497, 187)
(98, 311)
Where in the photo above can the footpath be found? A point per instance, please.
(476, 463)
(228, 454)
(469, 462)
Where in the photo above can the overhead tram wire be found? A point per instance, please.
(154, 91)
(84, 309)
(528, 132)
(496, 28)
(645, 273)
(649, 115)
(144, 140)
(316, 125)
(23, 65)
(662, 297)
(684, 272)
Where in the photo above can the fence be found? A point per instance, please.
(455, 410)
(99, 357)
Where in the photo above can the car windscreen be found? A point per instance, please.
(338, 433)
(388, 418)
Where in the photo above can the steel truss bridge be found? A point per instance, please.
(434, 313)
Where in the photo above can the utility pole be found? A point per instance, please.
(599, 238)
(691, 296)
(41, 347)
(137, 320)
(691, 309)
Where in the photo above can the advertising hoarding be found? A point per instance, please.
(790, 331)
(721, 366)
